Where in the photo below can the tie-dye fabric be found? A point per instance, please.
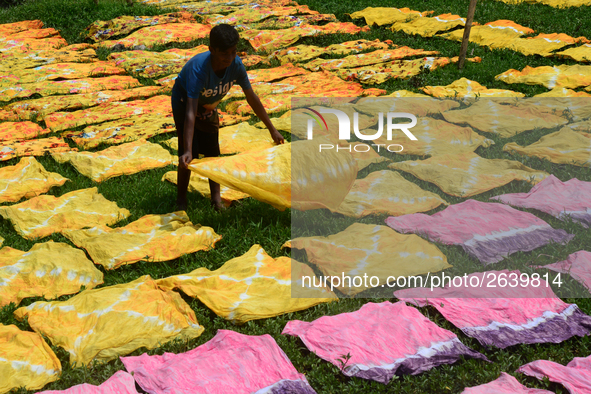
(150, 238)
(562, 200)
(120, 383)
(103, 324)
(575, 376)
(256, 14)
(505, 384)
(160, 34)
(200, 185)
(273, 74)
(383, 340)
(47, 270)
(544, 44)
(287, 21)
(7, 29)
(429, 26)
(31, 40)
(419, 105)
(563, 92)
(387, 15)
(499, 34)
(561, 76)
(302, 53)
(36, 147)
(486, 231)
(70, 54)
(26, 179)
(18, 131)
(229, 363)
(27, 361)
(243, 137)
(463, 88)
(44, 215)
(577, 265)
(580, 54)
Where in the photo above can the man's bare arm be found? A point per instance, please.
(259, 110)
(191, 112)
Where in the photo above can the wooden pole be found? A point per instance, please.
(467, 28)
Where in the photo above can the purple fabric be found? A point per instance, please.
(576, 376)
(487, 231)
(382, 340)
(120, 383)
(229, 363)
(578, 265)
(505, 384)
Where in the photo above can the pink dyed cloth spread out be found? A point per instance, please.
(120, 383)
(383, 340)
(578, 265)
(505, 384)
(229, 363)
(487, 231)
(516, 311)
(559, 199)
(576, 376)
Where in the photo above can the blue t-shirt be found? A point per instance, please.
(197, 80)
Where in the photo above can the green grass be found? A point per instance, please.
(254, 222)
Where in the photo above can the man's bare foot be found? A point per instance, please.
(181, 205)
(218, 206)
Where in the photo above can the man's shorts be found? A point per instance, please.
(205, 133)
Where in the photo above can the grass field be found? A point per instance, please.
(253, 222)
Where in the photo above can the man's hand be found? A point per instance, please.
(185, 159)
(277, 137)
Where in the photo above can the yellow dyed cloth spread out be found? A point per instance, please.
(287, 21)
(125, 159)
(103, 30)
(158, 105)
(31, 40)
(373, 250)
(505, 120)
(464, 87)
(7, 29)
(365, 159)
(273, 74)
(562, 76)
(428, 27)
(27, 361)
(580, 54)
(544, 44)
(243, 137)
(378, 56)
(387, 15)
(37, 147)
(18, 131)
(200, 185)
(251, 286)
(387, 192)
(47, 270)
(273, 103)
(256, 14)
(495, 35)
(103, 324)
(565, 146)
(44, 215)
(150, 238)
(161, 34)
(563, 92)
(414, 103)
(70, 54)
(301, 53)
(26, 179)
(467, 174)
(47, 88)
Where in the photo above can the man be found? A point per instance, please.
(199, 88)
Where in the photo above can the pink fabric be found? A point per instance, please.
(505, 384)
(559, 199)
(578, 265)
(383, 340)
(120, 383)
(229, 363)
(576, 376)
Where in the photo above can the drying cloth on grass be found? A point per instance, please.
(165, 33)
(229, 363)
(158, 64)
(273, 74)
(243, 137)
(301, 53)
(544, 44)
(32, 40)
(47, 270)
(131, 59)
(7, 29)
(418, 105)
(249, 15)
(120, 383)
(372, 250)
(552, 3)
(464, 87)
(26, 179)
(363, 158)
(428, 27)
(580, 54)
(287, 21)
(36, 147)
(565, 146)
(150, 238)
(562, 76)
(577, 265)
(18, 131)
(27, 361)
(387, 192)
(387, 15)
(272, 103)
(467, 174)
(383, 340)
(251, 286)
(103, 324)
(123, 25)
(575, 377)
(125, 159)
(44, 215)
(486, 231)
(562, 200)
(505, 384)
(563, 92)
(70, 54)
(499, 34)
(157, 105)
(200, 185)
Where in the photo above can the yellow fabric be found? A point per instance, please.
(248, 287)
(580, 54)
(387, 15)
(70, 54)
(18, 131)
(26, 179)
(492, 116)
(428, 27)
(301, 53)
(562, 76)
(36, 147)
(373, 250)
(467, 174)
(44, 215)
(565, 146)
(387, 192)
(150, 238)
(243, 137)
(273, 103)
(281, 124)
(157, 105)
(495, 35)
(161, 34)
(365, 159)
(47, 270)
(544, 44)
(563, 92)
(420, 106)
(125, 159)
(256, 14)
(15, 27)
(273, 74)
(464, 87)
(287, 21)
(31, 40)
(103, 324)
(200, 185)
(27, 361)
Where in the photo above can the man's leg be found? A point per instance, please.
(216, 198)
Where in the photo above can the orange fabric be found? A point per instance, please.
(33, 147)
(70, 54)
(17, 131)
(161, 34)
(273, 74)
(7, 29)
(306, 52)
(428, 27)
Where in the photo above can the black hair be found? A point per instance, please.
(223, 36)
